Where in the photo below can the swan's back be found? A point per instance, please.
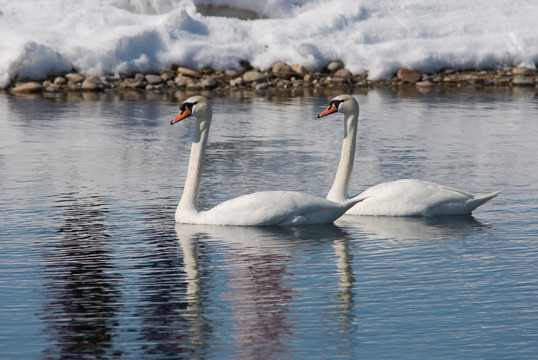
(410, 197)
(270, 208)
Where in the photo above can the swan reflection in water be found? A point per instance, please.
(260, 281)
(414, 228)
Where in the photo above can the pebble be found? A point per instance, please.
(60, 81)
(253, 76)
(342, 76)
(335, 65)
(279, 77)
(189, 72)
(27, 88)
(153, 79)
(299, 69)
(523, 81)
(74, 77)
(409, 76)
(282, 70)
(92, 83)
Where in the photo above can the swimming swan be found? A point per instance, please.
(256, 209)
(406, 197)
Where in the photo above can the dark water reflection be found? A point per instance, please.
(93, 266)
(81, 283)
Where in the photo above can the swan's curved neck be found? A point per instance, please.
(339, 189)
(191, 190)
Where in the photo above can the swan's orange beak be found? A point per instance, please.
(332, 108)
(182, 115)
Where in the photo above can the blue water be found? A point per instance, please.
(93, 266)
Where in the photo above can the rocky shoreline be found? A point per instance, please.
(281, 77)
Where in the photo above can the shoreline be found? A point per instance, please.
(280, 78)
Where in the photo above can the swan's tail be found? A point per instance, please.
(481, 200)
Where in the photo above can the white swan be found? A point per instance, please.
(406, 197)
(261, 208)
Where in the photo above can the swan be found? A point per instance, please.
(405, 197)
(256, 209)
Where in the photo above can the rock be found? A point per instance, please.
(424, 84)
(523, 81)
(253, 75)
(231, 73)
(74, 77)
(92, 83)
(135, 83)
(299, 69)
(520, 70)
(27, 88)
(183, 81)
(52, 88)
(282, 70)
(194, 86)
(60, 81)
(167, 76)
(153, 79)
(335, 65)
(209, 83)
(238, 81)
(342, 76)
(262, 86)
(208, 70)
(308, 77)
(188, 72)
(407, 75)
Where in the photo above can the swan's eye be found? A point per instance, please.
(336, 103)
(184, 106)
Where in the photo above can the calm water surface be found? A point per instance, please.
(93, 266)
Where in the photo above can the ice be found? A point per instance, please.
(38, 38)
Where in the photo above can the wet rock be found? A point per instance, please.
(209, 83)
(208, 70)
(424, 84)
(28, 88)
(308, 77)
(153, 79)
(238, 81)
(299, 69)
(92, 83)
(60, 81)
(231, 73)
(52, 88)
(131, 83)
(262, 86)
(523, 81)
(342, 76)
(409, 76)
(335, 65)
(188, 72)
(167, 76)
(183, 81)
(520, 70)
(74, 77)
(282, 70)
(253, 76)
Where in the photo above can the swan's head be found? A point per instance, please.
(345, 104)
(197, 106)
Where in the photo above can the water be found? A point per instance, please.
(92, 264)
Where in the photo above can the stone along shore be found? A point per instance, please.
(280, 76)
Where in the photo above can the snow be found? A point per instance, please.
(42, 37)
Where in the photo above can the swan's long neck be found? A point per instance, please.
(339, 189)
(191, 190)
